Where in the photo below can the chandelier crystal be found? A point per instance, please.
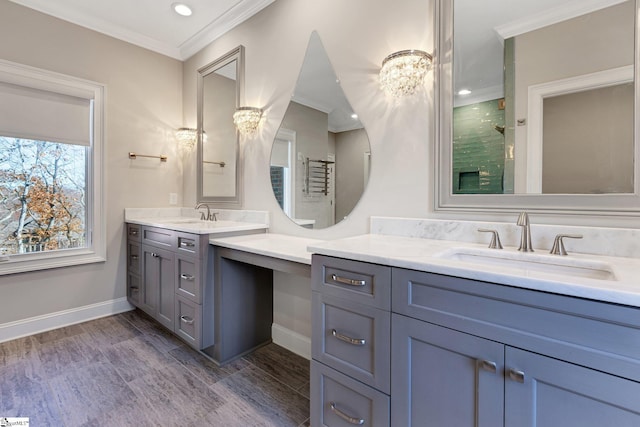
(404, 71)
(187, 137)
(247, 119)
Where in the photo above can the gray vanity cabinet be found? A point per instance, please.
(468, 353)
(442, 377)
(158, 289)
(351, 330)
(166, 278)
(134, 261)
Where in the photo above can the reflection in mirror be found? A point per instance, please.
(219, 85)
(543, 97)
(320, 156)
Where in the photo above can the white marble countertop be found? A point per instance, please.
(280, 246)
(196, 226)
(439, 256)
(187, 220)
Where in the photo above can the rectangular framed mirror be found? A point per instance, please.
(219, 169)
(537, 107)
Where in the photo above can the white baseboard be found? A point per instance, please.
(33, 325)
(292, 341)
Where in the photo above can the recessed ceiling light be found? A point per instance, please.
(354, 116)
(182, 9)
(464, 92)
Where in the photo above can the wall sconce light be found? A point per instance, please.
(247, 119)
(404, 71)
(187, 137)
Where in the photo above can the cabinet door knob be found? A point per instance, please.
(346, 281)
(347, 418)
(187, 277)
(354, 341)
(134, 257)
(186, 319)
(517, 376)
(489, 366)
(133, 232)
(155, 255)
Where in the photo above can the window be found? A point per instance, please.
(51, 207)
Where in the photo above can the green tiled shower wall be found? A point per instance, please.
(478, 148)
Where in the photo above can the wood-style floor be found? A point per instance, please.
(126, 370)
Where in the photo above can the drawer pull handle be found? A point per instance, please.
(517, 376)
(187, 244)
(489, 366)
(133, 232)
(186, 319)
(347, 418)
(344, 280)
(347, 339)
(134, 288)
(134, 257)
(187, 277)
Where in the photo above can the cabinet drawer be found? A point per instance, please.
(337, 400)
(188, 243)
(159, 237)
(133, 256)
(134, 232)
(188, 278)
(188, 321)
(358, 281)
(133, 288)
(353, 338)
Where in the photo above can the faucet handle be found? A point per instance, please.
(558, 244)
(213, 216)
(495, 238)
(523, 219)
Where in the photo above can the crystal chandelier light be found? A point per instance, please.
(187, 137)
(247, 119)
(404, 71)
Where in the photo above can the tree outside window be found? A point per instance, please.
(42, 196)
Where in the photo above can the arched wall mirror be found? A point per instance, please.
(220, 85)
(321, 155)
(536, 106)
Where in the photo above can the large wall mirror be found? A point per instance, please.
(219, 92)
(320, 156)
(537, 104)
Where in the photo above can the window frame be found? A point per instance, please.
(95, 250)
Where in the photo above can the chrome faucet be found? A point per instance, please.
(202, 216)
(525, 239)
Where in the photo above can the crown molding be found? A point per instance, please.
(233, 17)
(553, 16)
(239, 13)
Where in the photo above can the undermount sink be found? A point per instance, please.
(198, 223)
(543, 263)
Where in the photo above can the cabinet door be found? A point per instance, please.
(545, 392)
(441, 377)
(158, 293)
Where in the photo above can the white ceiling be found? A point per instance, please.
(153, 24)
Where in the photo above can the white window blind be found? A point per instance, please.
(30, 113)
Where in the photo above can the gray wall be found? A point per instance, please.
(219, 104)
(312, 141)
(143, 110)
(579, 49)
(601, 156)
(350, 167)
